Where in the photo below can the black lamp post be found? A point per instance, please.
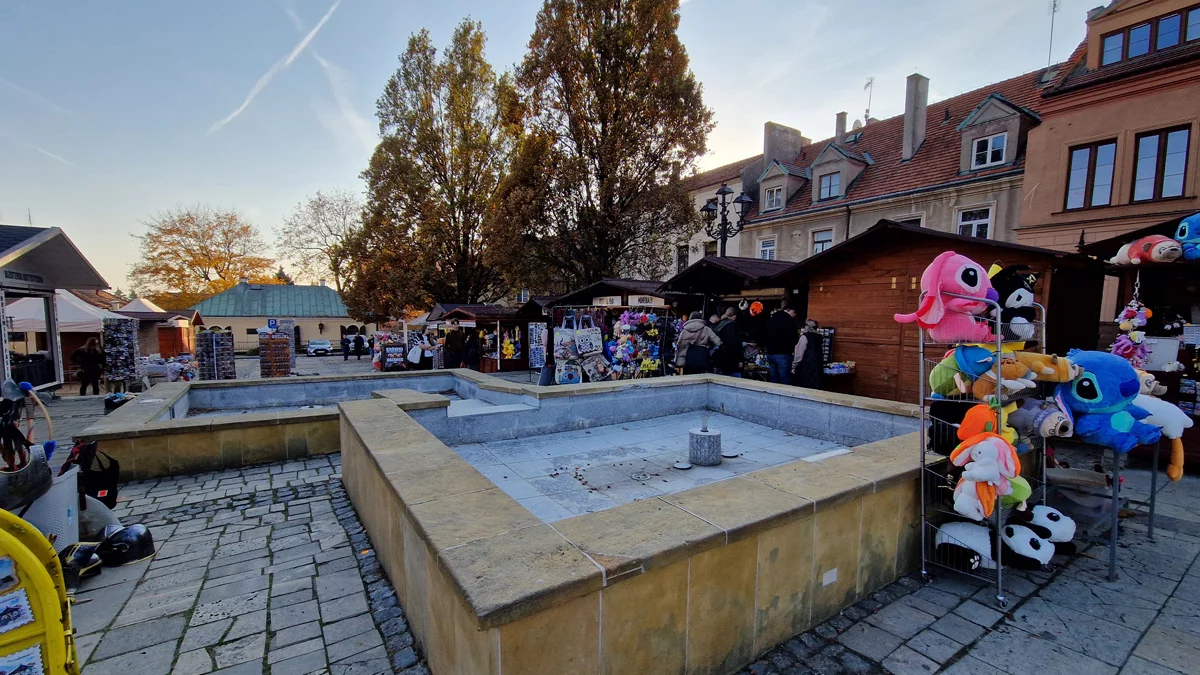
(723, 229)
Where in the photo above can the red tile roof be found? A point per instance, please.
(1078, 75)
(101, 299)
(721, 174)
(936, 162)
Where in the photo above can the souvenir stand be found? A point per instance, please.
(121, 355)
(620, 336)
(215, 354)
(502, 334)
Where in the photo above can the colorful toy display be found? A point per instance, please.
(1014, 378)
(1101, 402)
(948, 318)
(1014, 286)
(1153, 248)
(1048, 367)
(1188, 236)
(1049, 524)
(969, 547)
(957, 372)
(1171, 421)
(1131, 344)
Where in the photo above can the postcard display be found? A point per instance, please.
(214, 351)
(121, 354)
(275, 355)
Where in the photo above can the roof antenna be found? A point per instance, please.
(869, 87)
(1054, 7)
(29, 216)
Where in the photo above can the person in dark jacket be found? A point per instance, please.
(90, 360)
(359, 343)
(471, 351)
(779, 341)
(731, 353)
(808, 362)
(345, 347)
(692, 351)
(456, 344)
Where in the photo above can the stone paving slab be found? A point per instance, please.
(1066, 622)
(264, 571)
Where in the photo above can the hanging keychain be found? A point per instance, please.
(1131, 343)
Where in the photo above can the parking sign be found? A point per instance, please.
(273, 323)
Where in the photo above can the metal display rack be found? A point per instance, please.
(939, 476)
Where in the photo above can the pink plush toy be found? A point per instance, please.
(950, 319)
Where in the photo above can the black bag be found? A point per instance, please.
(97, 478)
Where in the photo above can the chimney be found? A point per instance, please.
(779, 142)
(322, 282)
(244, 280)
(916, 99)
(839, 135)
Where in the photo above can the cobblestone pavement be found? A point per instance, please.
(262, 570)
(1069, 621)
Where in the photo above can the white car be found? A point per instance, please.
(319, 348)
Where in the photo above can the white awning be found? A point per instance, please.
(28, 315)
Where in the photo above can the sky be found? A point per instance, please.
(113, 111)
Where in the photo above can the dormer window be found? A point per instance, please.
(773, 198)
(989, 151)
(1160, 33)
(831, 185)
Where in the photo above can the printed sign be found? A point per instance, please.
(607, 301)
(25, 662)
(646, 301)
(273, 324)
(1160, 352)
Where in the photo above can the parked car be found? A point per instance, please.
(319, 348)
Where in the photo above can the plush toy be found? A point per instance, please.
(1170, 323)
(1041, 419)
(1049, 524)
(1014, 285)
(1131, 344)
(1151, 248)
(960, 368)
(1149, 384)
(1014, 379)
(1048, 367)
(974, 500)
(969, 547)
(983, 418)
(1021, 492)
(1101, 402)
(1188, 235)
(987, 458)
(947, 318)
(1172, 421)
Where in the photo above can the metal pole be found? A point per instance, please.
(923, 441)
(1001, 421)
(1154, 489)
(1116, 504)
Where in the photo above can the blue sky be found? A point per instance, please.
(111, 111)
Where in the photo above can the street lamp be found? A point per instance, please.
(723, 229)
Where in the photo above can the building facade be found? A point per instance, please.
(318, 312)
(1119, 144)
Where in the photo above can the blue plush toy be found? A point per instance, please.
(1101, 402)
(1188, 234)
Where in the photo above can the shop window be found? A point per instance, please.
(989, 151)
(1161, 164)
(822, 241)
(975, 222)
(710, 248)
(1090, 175)
(773, 199)
(831, 185)
(766, 249)
(681, 257)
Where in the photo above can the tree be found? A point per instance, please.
(613, 117)
(193, 253)
(313, 235)
(431, 181)
(283, 278)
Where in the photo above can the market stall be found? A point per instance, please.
(1157, 323)
(503, 334)
(858, 286)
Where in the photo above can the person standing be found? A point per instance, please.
(808, 361)
(779, 342)
(345, 347)
(692, 350)
(471, 351)
(427, 350)
(90, 360)
(359, 343)
(456, 342)
(731, 353)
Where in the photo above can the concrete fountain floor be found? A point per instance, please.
(566, 474)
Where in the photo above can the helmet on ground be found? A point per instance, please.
(126, 545)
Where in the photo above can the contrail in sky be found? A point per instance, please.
(37, 97)
(44, 151)
(275, 68)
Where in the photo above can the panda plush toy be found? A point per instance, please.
(968, 547)
(1014, 284)
(1050, 524)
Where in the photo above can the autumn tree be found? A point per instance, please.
(613, 117)
(312, 236)
(431, 181)
(189, 254)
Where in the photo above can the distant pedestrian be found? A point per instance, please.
(471, 351)
(359, 343)
(808, 362)
(456, 343)
(692, 351)
(90, 360)
(729, 356)
(779, 342)
(345, 348)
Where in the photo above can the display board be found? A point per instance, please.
(537, 345)
(121, 355)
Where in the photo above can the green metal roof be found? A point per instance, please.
(274, 301)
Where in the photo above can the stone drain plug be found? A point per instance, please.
(704, 447)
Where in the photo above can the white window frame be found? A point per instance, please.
(990, 222)
(821, 196)
(829, 244)
(991, 147)
(919, 217)
(523, 295)
(777, 203)
(768, 246)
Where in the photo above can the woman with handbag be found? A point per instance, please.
(692, 351)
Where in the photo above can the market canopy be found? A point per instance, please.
(725, 275)
(613, 291)
(28, 315)
(141, 305)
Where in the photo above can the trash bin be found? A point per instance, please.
(56, 513)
